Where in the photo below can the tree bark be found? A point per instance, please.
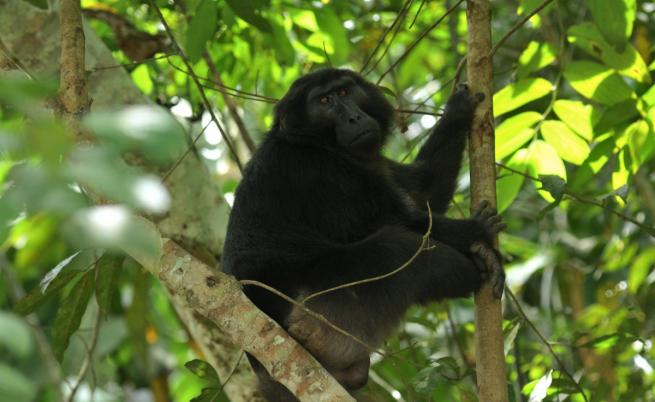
(490, 358)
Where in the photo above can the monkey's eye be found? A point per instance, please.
(343, 92)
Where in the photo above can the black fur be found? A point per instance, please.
(311, 213)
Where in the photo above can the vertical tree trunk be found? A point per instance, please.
(490, 358)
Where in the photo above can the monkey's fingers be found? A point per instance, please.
(498, 281)
(484, 205)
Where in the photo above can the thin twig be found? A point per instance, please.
(425, 241)
(86, 364)
(384, 36)
(418, 39)
(199, 86)
(229, 376)
(401, 17)
(585, 200)
(418, 12)
(133, 63)
(320, 317)
(517, 26)
(543, 339)
(186, 152)
(231, 107)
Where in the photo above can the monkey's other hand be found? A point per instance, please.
(462, 104)
(489, 262)
(488, 221)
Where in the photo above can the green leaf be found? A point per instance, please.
(70, 314)
(203, 370)
(211, 394)
(148, 129)
(615, 19)
(617, 114)
(247, 11)
(535, 57)
(649, 96)
(569, 145)
(519, 93)
(627, 62)
(53, 282)
(555, 185)
(141, 77)
(514, 132)
(108, 267)
(285, 52)
(580, 117)
(114, 227)
(641, 141)
(597, 82)
(509, 184)
(103, 171)
(543, 160)
(15, 335)
(201, 29)
(621, 172)
(16, 386)
(330, 23)
(599, 156)
(640, 268)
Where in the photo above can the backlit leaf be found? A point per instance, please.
(535, 57)
(569, 145)
(201, 28)
(247, 11)
(514, 132)
(543, 160)
(614, 18)
(597, 82)
(519, 93)
(627, 62)
(509, 183)
(580, 117)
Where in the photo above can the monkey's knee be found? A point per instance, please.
(354, 376)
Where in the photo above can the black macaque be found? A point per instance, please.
(319, 206)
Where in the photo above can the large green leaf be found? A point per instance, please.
(569, 145)
(640, 269)
(70, 314)
(615, 19)
(535, 57)
(331, 24)
(580, 117)
(108, 267)
(284, 51)
(515, 131)
(627, 62)
(597, 82)
(248, 11)
(543, 160)
(148, 129)
(15, 336)
(621, 173)
(509, 183)
(519, 93)
(16, 386)
(641, 141)
(201, 28)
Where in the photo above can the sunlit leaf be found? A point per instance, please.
(201, 28)
(519, 93)
(203, 370)
(621, 172)
(642, 266)
(509, 183)
(514, 132)
(535, 57)
(627, 62)
(141, 78)
(597, 82)
(649, 96)
(616, 115)
(580, 117)
(69, 315)
(543, 160)
(540, 390)
(569, 145)
(284, 50)
(614, 18)
(598, 157)
(641, 141)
